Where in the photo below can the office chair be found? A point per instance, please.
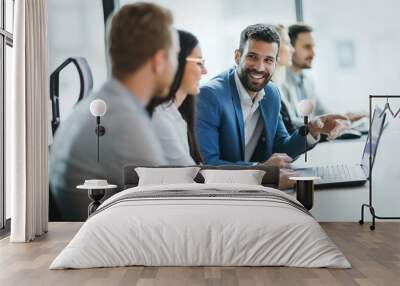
(86, 82)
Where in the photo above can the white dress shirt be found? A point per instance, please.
(253, 126)
(171, 129)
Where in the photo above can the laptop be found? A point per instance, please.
(347, 175)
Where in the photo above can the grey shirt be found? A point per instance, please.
(129, 139)
(298, 87)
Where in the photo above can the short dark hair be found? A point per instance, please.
(296, 29)
(137, 32)
(259, 32)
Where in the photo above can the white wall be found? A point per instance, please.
(373, 28)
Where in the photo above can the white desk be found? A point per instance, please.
(344, 204)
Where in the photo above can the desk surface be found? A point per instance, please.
(344, 204)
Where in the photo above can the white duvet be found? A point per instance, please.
(185, 231)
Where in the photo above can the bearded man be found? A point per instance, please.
(238, 112)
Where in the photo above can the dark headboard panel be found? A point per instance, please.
(271, 177)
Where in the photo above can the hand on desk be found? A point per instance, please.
(329, 124)
(284, 182)
(280, 160)
(355, 116)
(284, 163)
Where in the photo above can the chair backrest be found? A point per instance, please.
(86, 85)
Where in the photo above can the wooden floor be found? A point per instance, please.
(375, 257)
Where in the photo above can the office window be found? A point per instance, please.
(2, 194)
(6, 43)
(217, 24)
(9, 12)
(8, 73)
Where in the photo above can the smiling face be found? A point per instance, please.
(256, 64)
(194, 69)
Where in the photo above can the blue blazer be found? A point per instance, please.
(220, 128)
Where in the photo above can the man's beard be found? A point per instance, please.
(244, 76)
(306, 64)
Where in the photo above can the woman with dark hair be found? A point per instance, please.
(173, 117)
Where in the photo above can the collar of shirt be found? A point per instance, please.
(298, 79)
(115, 88)
(245, 99)
(172, 109)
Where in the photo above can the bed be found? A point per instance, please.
(201, 224)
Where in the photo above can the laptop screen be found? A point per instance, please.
(377, 128)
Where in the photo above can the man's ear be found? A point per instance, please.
(237, 56)
(159, 62)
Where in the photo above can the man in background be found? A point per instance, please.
(298, 84)
(143, 50)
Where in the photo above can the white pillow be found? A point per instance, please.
(248, 177)
(165, 176)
